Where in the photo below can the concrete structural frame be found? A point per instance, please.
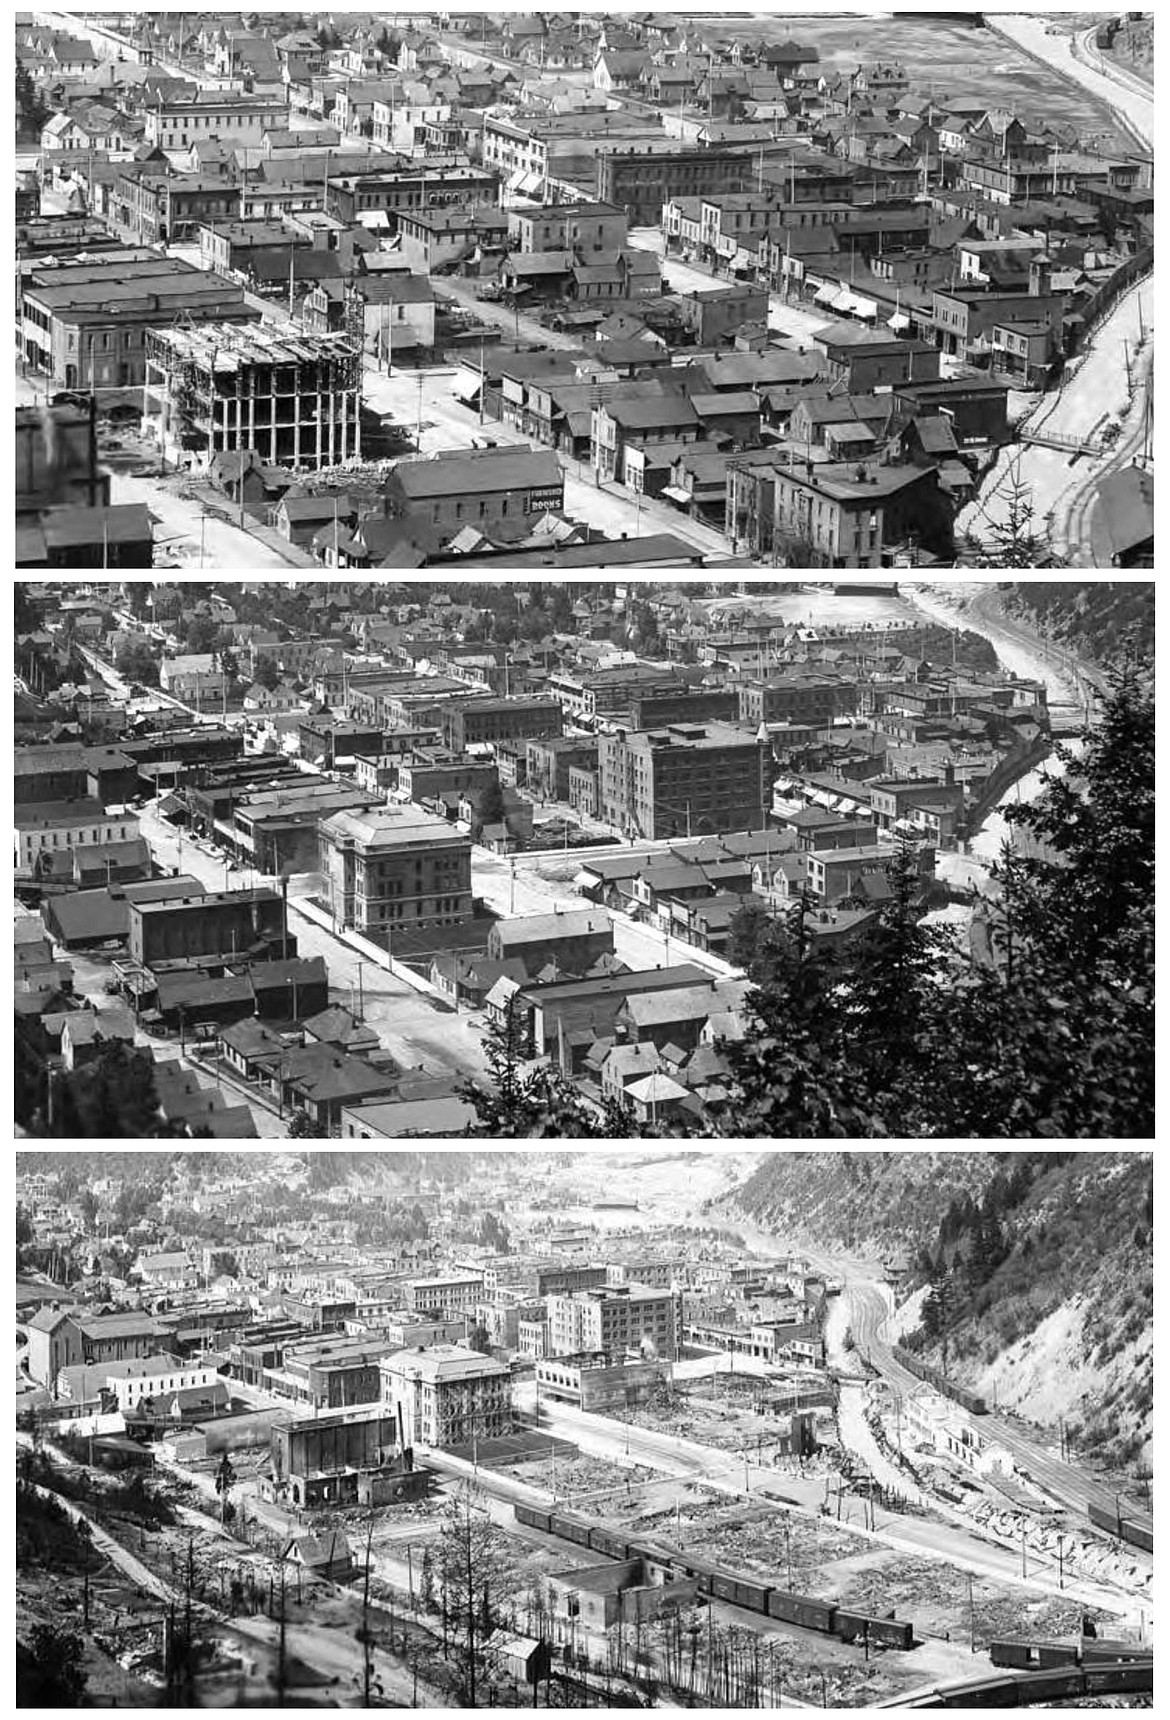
(293, 398)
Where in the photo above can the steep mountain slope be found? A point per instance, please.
(861, 1200)
(1039, 1270)
(1092, 616)
(1044, 1295)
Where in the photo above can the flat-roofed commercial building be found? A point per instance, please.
(600, 1382)
(448, 1290)
(243, 923)
(472, 722)
(186, 117)
(691, 779)
(84, 323)
(797, 695)
(617, 1320)
(395, 867)
(48, 826)
(448, 1396)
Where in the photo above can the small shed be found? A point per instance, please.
(526, 1657)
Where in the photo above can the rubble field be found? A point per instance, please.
(574, 1481)
(730, 1421)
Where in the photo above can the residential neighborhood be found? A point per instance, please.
(582, 290)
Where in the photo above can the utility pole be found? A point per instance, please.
(282, 1644)
(366, 1656)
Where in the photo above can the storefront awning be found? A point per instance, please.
(677, 494)
(466, 388)
(898, 322)
(825, 295)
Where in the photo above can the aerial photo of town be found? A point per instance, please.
(637, 1428)
(358, 860)
(585, 290)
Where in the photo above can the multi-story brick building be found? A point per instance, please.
(444, 1291)
(836, 514)
(223, 923)
(797, 695)
(548, 763)
(472, 722)
(685, 780)
(85, 323)
(616, 1320)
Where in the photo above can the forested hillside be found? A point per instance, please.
(857, 1200)
(1093, 616)
(1039, 1267)
(1042, 1295)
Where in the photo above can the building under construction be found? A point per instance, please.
(218, 387)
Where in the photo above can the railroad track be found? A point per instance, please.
(1072, 516)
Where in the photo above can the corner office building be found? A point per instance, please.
(293, 398)
(688, 779)
(395, 867)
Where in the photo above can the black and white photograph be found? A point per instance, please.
(763, 860)
(636, 1428)
(584, 289)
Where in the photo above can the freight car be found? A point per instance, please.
(1032, 1655)
(970, 1401)
(740, 1591)
(1130, 1675)
(862, 1627)
(715, 1583)
(703, 1571)
(570, 1527)
(532, 1517)
(1029, 1656)
(801, 1609)
(607, 1541)
(1053, 1684)
(1130, 1529)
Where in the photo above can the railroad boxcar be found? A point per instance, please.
(1032, 1656)
(801, 1609)
(741, 1592)
(1104, 1651)
(658, 1553)
(1137, 1534)
(850, 1625)
(532, 1517)
(570, 1527)
(999, 1692)
(1051, 1684)
(1102, 1519)
(891, 1632)
(1122, 1676)
(702, 1570)
(605, 1540)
